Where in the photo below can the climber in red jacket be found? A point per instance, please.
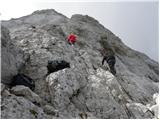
(71, 39)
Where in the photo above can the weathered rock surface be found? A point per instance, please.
(21, 90)
(16, 107)
(86, 89)
(139, 110)
(154, 106)
(50, 110)
(2, 87)
(11, 57)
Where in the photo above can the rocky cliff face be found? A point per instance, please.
(86, 89)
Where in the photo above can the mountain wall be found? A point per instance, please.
(86, 89)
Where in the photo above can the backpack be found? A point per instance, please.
(56, 65)
(21, 79)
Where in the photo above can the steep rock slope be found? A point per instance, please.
(86, 89)
(12, 57)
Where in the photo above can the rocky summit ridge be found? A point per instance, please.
(86, 89)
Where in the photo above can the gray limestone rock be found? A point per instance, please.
(50, 110)
(154, 107)
(21, 90)
(14, 107)
(2, 87)
(139, 110)
(86, 89)
(11, 57)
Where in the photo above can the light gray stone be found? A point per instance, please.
(139, 110)
(14, 107)
(156, 98)
(2, 87)
(155, 110)
(154, 107)
(21, 90)
(50, 110)
(6, 93)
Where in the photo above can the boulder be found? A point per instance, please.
(21, 90)
(50, 110)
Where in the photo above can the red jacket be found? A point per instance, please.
(72, 38)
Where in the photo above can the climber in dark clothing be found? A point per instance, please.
(111, 62)
(109, 57)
